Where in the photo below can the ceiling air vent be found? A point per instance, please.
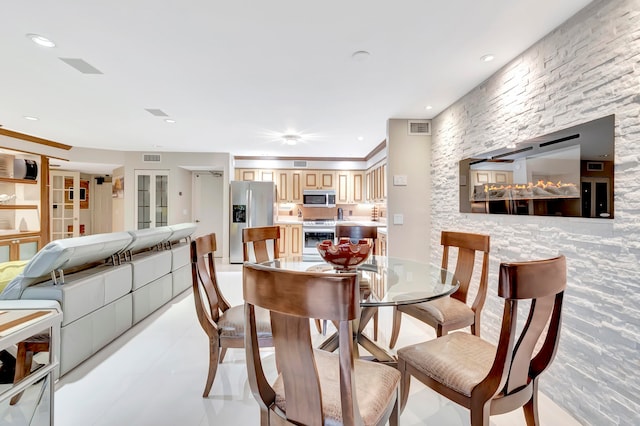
(299, 163)
(419, 127)
(151, 158)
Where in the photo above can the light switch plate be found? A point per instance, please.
(400, 180)
(398, 219)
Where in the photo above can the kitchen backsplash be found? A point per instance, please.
(351, 211)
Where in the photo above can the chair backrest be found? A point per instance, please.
(467, 245)
(259, 238)
(292, 299)
(541, 282)
(359, 232)
(207, 296)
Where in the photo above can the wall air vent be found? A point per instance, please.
(419, 127)
(299, 163)
(151, 158)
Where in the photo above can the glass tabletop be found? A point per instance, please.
(384, 281)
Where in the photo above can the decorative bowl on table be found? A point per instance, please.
(344, 256)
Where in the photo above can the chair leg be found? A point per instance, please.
(395, 328)
(405, 383)
(375, 326)
(319, 327)
(213, 366)
(223, 352)
(23, 368)
(394, 420)
(480, 413)
(531, 407)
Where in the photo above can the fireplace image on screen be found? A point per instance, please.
(566, 173)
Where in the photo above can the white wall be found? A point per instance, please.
(410, 156)
(586, 69)
(179, 165)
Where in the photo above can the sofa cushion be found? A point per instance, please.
(85, 291)
(142, 239)
(149, 266)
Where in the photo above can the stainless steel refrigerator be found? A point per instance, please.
(251, 206)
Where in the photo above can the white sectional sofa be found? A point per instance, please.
(105, 283)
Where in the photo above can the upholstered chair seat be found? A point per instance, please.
(231, 322)
(444, 310)
(375, 388)
(459, 360)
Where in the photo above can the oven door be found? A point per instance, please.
(313, 236)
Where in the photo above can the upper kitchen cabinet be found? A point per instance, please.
(318, 179)
(289, 186)
(376, 183)
(350, 187)
(256, 175)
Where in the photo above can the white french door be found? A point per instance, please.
(64, 193)
(152, 198)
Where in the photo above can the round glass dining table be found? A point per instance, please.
(384, 281)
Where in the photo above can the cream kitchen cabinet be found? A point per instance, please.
(381, 244)
(376, 183)
(290, 240)
(318, 179)
(256, 175)
(289, 186)
(350, 186)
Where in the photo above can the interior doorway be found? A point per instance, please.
(208, 206)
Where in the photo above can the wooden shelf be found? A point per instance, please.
(14, 180)
(18, 206)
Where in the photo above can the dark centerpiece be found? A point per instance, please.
(345, 255)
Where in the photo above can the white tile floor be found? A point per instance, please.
(155, 373)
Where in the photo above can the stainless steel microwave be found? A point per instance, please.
(319, 198)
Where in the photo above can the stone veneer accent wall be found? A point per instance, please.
(587, 68)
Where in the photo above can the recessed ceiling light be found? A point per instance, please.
(28, 117)
(360, 55)
(168, 120)
(361, 138)
(41, 40)
(487, 58)
(291, 139)
(511, 145)
(428, 107)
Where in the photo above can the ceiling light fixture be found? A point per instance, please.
(168, 120)
(30, 118)
(291, 139)
(41, 40)
(428, 107)
(487, 58)
(360, 138)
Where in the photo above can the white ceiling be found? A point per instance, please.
(235, 75)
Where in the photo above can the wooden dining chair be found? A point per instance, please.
(490, 379)
(314, 387)
(452, 313)
(258, 240)
(223, 323)
(356, 233)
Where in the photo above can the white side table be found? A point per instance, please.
(20, 320)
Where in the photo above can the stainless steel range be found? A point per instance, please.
(315, 231)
